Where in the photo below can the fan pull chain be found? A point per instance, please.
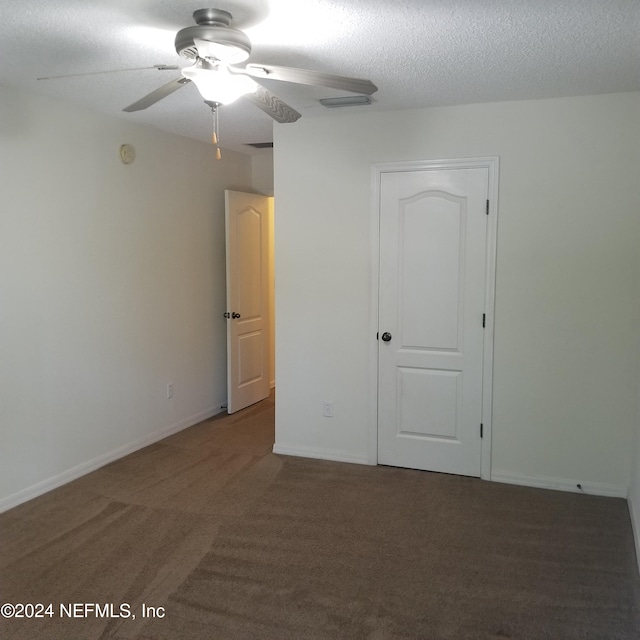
(214, 135)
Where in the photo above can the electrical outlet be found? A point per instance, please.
(327, 409)
(170, 390)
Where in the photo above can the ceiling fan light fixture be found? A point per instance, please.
(215, 47)
(218, 85)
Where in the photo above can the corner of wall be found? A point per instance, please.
(633, 497)
(634, 513)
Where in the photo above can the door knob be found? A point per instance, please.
(386, 337)
(235, 315)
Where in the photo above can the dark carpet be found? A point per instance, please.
(229, 541)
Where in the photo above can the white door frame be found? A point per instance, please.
(491, 163)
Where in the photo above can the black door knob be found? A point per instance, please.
(235, 315)
(386, 337)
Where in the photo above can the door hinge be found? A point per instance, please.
(487, 207)
(484, 320)
(377, 336)
(481, 430)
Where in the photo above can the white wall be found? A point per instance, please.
(566, 323)
(111, 286)
(262, 172)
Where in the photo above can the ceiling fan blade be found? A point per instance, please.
(305, 76)
(273, 106)
(157, 95)
(159, 67)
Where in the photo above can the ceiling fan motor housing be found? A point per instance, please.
(212, 26)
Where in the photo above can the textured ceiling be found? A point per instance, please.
(419, 53)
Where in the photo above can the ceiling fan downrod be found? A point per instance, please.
(212, 17)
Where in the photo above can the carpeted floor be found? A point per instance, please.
(229, 541)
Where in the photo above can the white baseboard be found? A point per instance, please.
(91, 465)
(635, 525)
(321, 454)
(561, 484)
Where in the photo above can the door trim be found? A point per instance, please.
(491, 163)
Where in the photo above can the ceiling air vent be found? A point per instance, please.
(345, 101)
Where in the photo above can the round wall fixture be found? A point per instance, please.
(127, 153)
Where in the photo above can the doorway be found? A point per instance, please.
(250, 289)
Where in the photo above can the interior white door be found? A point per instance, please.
(247, 228)
(433, 245)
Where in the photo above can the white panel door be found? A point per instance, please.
(247, 220)
(433, 243)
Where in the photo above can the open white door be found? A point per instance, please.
(247, 226)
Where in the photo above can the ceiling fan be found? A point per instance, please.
(215, 47)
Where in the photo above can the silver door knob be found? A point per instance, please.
(386, 337)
